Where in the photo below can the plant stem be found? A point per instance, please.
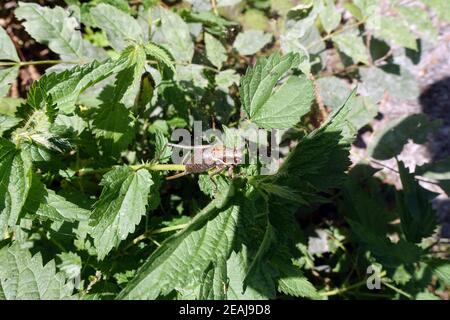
(151, 167)
(330, 35)
(400, 291)
(353, 286)
(159, 167)
(148, 235)
(168, 229)
(39, 62)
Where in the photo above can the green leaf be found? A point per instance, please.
(114, 121)
(320, 159)
(128, 80)
(237, 266)
(417, 17)
(352, 45)
(7, 122)
(215, 51)
(284, 107)
(386, 252)
(395, 30)
(64, 88)
(442, 270)
(389, 141)
(442, 8)
(225, 79)
(186, 256)
(120, 27)
(74, 124)
(214, 282)
(191, 75)
(394, 79)
(214, 24)
(23, 277)
(120, 207)
(259, 81)
(254, 19)
(292, 282)
(418, 218)
(437, 170)
(368, 8)
(329, 16)
(7, 50)
(175, 36)
(333, 91)
(15, 182)
(160, 54)
(47, 204)
(114, 128)
(291, 101)
(55, 28)
(70, 264)
(363, 110)
(362, 202)
(251, 41)
(7, 76)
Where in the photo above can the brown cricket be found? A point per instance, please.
(215, 156)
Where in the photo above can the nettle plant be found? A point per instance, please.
(86, 211)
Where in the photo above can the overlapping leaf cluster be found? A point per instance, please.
(78, 185)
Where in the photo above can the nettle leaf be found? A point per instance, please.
(56, 28)
(214, 24)
(333, 91)
(386, 252)
(393, 29)
(70, 265)
(24, 277)
(48, 205)
(225, 79)
(114, 121)
(128, 80)
(419, 219)
(64, 88)
(329, 147)
(237, 266)
(160, 54)
(292, 282)
(7, 122)
(436, 170)
(394, 79)
(7, 76)
(114, 127)
(417, 17)
(120, 207)
(352, 45)
(441, 268)
(442, 8)
(215, 51)
(329, 16)
(15, 182)
(192, 75)
(7, 50)
(120, 27)
(186, 256)
(362, 201)
(285, 106)
(175, 36)
(389, 141)
(214, 282)
(251, 41)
